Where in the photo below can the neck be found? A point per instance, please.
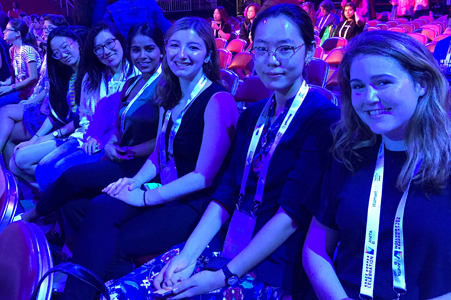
(393, 145)
(349, 19)
(18, 42)
(251, 20)
(283, 95)
(75, 67)
(116, 70)
(147, 75)
(187, 85)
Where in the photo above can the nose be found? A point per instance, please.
(183, 53)
(106, 51)
(371, 95)
(272, 60)
(142, 54)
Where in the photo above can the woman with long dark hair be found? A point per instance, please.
(352, 23)
(220, 23)
(26, 63)
(245, 29)
(382, 226)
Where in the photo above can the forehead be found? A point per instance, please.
(185, 36)
(140, 39)
(58, 41)
(365, 66)
(47, 23)
(102, 36)
(277, 29)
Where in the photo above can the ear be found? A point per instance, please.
(310, 52)
(420, 88)
(207, 58)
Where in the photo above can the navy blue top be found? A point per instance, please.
(440, 51)
(296, 162)
(343, 206)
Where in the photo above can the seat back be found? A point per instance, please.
(252, 90)
(422, 21)
(416, 24)
(225, 56)
(243, 64)
(9, 198)
(392, 23)
(431, 46)
(324, 92)
(220, 43)
(319, 52)
(229, 80)
(436, 27)
(443, 25)
(429, 18)
(373, 28)
(236, 46)
(398, 29)
(401, 20)
(409, 27)
(335, 57)
(383, 26)
(373, 23)
(442, 37)
(419, 37)
(429, 32)
(317, 71)
(317, 40)
(24, 258)
(334, 42)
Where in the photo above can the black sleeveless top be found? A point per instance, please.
(188, 141)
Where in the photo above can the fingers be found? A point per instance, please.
(185, 289)
(159, 278)
(168, 273)
(112, 186)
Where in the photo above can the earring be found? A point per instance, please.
(161, 56)
(207, 60)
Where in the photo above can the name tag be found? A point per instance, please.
(239, 234)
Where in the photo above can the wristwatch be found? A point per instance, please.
(55, 134)
(231, 279)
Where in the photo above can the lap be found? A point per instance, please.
(13, 111)
(32, 154)
(70, 146)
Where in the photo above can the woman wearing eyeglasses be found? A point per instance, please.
(105, 72)
(25, 60)
(280, 148)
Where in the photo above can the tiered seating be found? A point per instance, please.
(317, 71)
(221, 43)
(236, 46)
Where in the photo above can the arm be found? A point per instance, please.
(359, 20)
(317, 256)
(37, 98)
(226, 33)
(32, 79)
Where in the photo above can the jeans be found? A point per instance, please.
(59, 160)
(11, 98)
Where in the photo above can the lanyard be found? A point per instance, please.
(148, 83)
(322, 23)
(346, 32)
(175, 127)
(372, 231)
(297, 102)
(18, 64)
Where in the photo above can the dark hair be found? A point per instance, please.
(350, 4)
(224, 16)
(34, 17)
(295, 14)
(92, 66)
(57, 20)
(148, 30)
(17, 4)
(60, 74)
(21, 26)
(168, 90)
(327, 5)
(428, 130)
(255, 6)
(22, 14)
(43, 16)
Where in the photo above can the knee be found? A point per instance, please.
(22, 160)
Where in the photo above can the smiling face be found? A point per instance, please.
(186, 53)
(217, 15)
(66, 49)
(383, 95)
(145, 54)
(109, 57)
(279, 74)
(349, 12)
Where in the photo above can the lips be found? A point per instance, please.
(274, 74)
(376, 112)
(182, 64)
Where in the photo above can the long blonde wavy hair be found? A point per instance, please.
(429, 129)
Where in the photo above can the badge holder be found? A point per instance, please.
(169, 172)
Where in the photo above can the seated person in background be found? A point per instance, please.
(420, 8)
(26, 63)
(220, 23)
(361, 8)
(442, 53)
(123, 14)
(327, 17)
(36, 27)
(403, 8)
(309, 7)
(245, 29)
(352, 23)
(281, 146)
(15, 10)
(384, 200)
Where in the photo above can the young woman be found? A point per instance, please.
(386, 196)
(328, 17)
(310, 9)
(220, 23)
(280, 146)
(26, 63)
(246, 26)
(361, 8)
(15, 10)
(104, 76)
(352, 23)
(36, 27)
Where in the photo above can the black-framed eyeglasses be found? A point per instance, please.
(281, 52)
(109, 44)
(63, 50)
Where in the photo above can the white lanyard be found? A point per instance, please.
(175, 127)
(346, 32)
(148, 83)
(297, 102)
(372, 232)
(321, 24)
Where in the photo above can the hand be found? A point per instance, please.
(129, 183)
(179, 268)
(5, 90)
(91, 145)
(23, 102)
(116, 153)
(31, 141)
(198, 284)
(215, 26)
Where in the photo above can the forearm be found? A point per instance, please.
(144, 149)
(224, 35)
(45, 127)
(67, 129)
(38, 98)
(211, 222)
(265, 242)
(25, 83)
(149, 170)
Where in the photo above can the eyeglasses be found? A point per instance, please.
(9, 29)
(63, 50)
(49, 28)
(281, 53)
(109, 44)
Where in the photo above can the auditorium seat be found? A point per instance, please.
(431, 46)
(373, 28)
(317, 40)
(225, 56)
(252, 90)
(401, 20)
(230, 80)
(319, 52)
(398, 29)
(373, 23)
(416, 24)
(9, 198)
(422, 21)
(436, 27)
(317, 71)
(242, 64)
(236, 46)
(220, 43)
(392, 23)
(24, 258)
(430, 33)
(429, 18)
(383, 26)
(335, 57)
(334, 42)
(409, 27)
(441, 37)
(324, 92)
(419, 37)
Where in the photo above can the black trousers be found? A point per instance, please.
(112, 234)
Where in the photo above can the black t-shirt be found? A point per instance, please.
(225, 27)
(348, 29)
(427, 227)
